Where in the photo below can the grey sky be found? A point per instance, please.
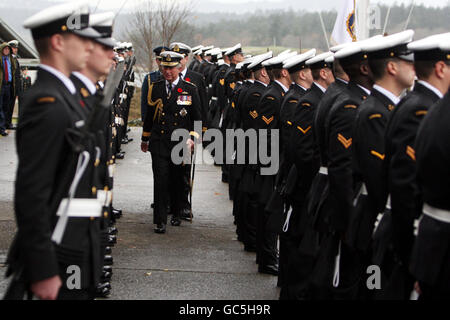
(252, 5)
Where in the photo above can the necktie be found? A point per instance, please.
(169, 89)
(5, 63)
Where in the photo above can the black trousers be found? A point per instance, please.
(168, 187)
(5, 102)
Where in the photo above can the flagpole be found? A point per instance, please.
(324, 30)
(410, 14)
(387, 19)
(361, 8)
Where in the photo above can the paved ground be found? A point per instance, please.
(202, 260)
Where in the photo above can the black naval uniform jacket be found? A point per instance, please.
(430, 262)
(302, 138)
(328, 99)
(218, 96)
(368, 156)
(339, 140)
(400, 165)
(165, 115)
(199, 80)
(47, 164)
(249, 116)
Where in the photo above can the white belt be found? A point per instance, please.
(435, 213)
(323, 170)
(388, 203)
(214, 98)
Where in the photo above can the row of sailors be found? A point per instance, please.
(356, 172)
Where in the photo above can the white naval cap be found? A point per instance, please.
(221, 62)
(392, 46)
(340, 46)
(330, 59)
(234, 50)
(432, 48)
(214, 52)
(353, 52)
(258, 60)
(180, 48)
(103, 24)
(70, 17)
(318, 62)
(277, 62)
(197, 48)
(170, 58)
(284, 53)
(204, 49)
(297, 62)
(13, 43)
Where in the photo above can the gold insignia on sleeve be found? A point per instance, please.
(293, 101)
(256, 94)
(46, 100)
(233, 105)
(232, 85)
(254, 114)
(375, 116)
(270, 98)
(84, 92)
(411, 153)
(304, 131)
(269, 120)
(378, 155)
(345, 142)
(350, 106)
(222, 82)
(289, 123)
(421, 113)
(306, 104)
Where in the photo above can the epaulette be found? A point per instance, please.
(306, 104)
(44, 100)
(270, 98)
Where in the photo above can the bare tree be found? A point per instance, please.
(156, 23)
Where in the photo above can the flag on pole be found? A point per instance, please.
(345, 27)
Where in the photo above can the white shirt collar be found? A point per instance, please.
(364, 89)
(320, 87)
(86, 81)
(283, 86)
(388, 94)
(183, 73)
(174, 84)
(301, 86)
(432, 88)
(251, 80)
(346, 82)
(61, 76)
(265, 85)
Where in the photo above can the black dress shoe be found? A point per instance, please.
(117, 214)
(124, 141)
(176, 222)
(108, 250)
(268, 269)
(153, 205)
(186, 214)
(130, 139)
(113, 231)
(106, 276)
(108, 269)
(108, 260)
(4, 133)
(103, 290)
(112, 240)
(119, 211)
(160, 228)
(120, 155)
(128, 130)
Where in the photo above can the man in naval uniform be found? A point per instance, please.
(48, 154)
(174, 104)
